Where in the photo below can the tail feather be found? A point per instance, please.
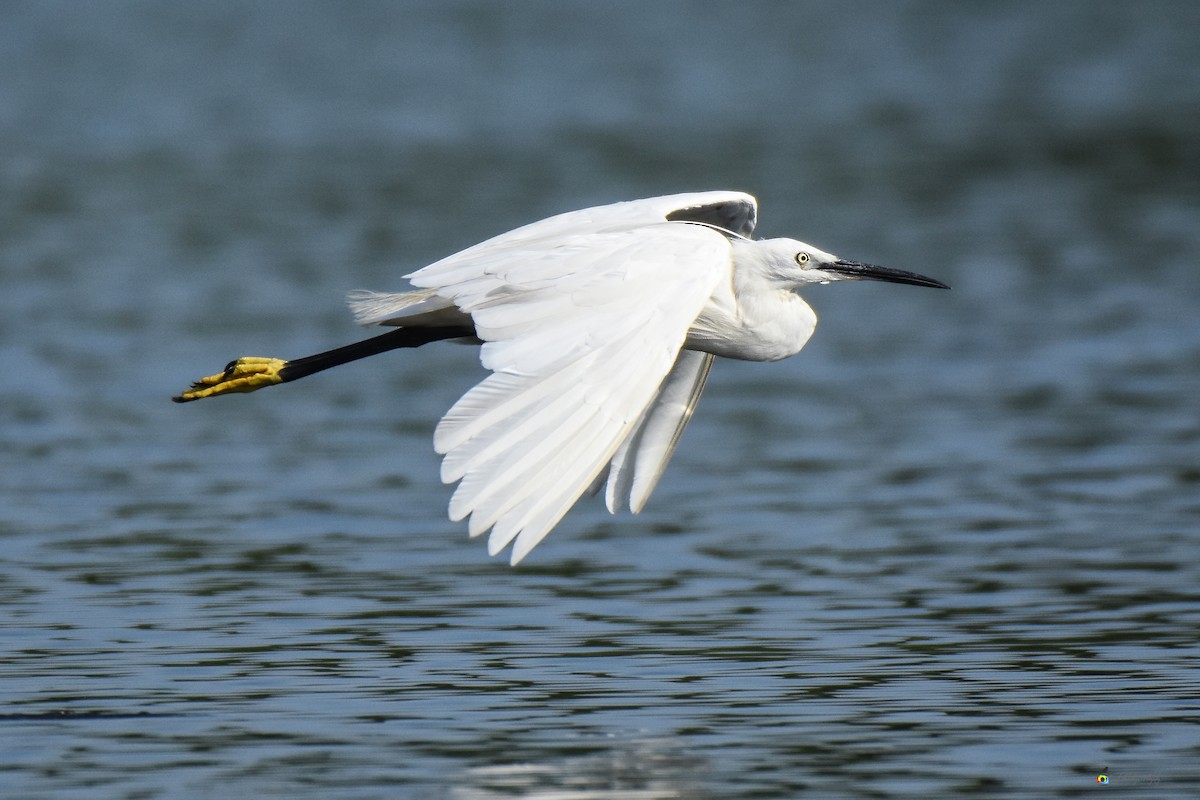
(417, 307)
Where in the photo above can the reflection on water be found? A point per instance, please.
(948, 549)
(646, 769)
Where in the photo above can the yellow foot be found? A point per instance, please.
(243, 375)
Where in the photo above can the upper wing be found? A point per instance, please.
(579, 329)
(731, 211)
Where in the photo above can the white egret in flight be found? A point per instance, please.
(599, 328)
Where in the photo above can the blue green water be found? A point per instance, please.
(950, 549)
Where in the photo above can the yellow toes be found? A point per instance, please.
(243, 375)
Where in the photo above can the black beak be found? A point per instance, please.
(870, 272)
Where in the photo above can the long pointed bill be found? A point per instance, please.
(870, 272)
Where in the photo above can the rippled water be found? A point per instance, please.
(949, 549)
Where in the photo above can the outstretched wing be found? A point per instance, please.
(582, 317)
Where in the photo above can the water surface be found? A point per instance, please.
(949, 549)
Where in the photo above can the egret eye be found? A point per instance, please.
(802, 259)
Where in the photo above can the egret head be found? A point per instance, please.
(799, 264)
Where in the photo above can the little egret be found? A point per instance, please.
(599, 328)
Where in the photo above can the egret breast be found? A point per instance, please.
(760, 326)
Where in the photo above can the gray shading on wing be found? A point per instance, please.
(736, 214)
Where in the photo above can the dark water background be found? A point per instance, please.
(951, 549)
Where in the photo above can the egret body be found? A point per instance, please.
(599, 328)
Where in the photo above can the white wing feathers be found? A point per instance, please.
(734, 211)
(642, 457)
(583, 316)
(582, 320)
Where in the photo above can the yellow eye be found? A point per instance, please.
(802, 258)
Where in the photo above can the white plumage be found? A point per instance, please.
(584, 318)
(599, 327)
